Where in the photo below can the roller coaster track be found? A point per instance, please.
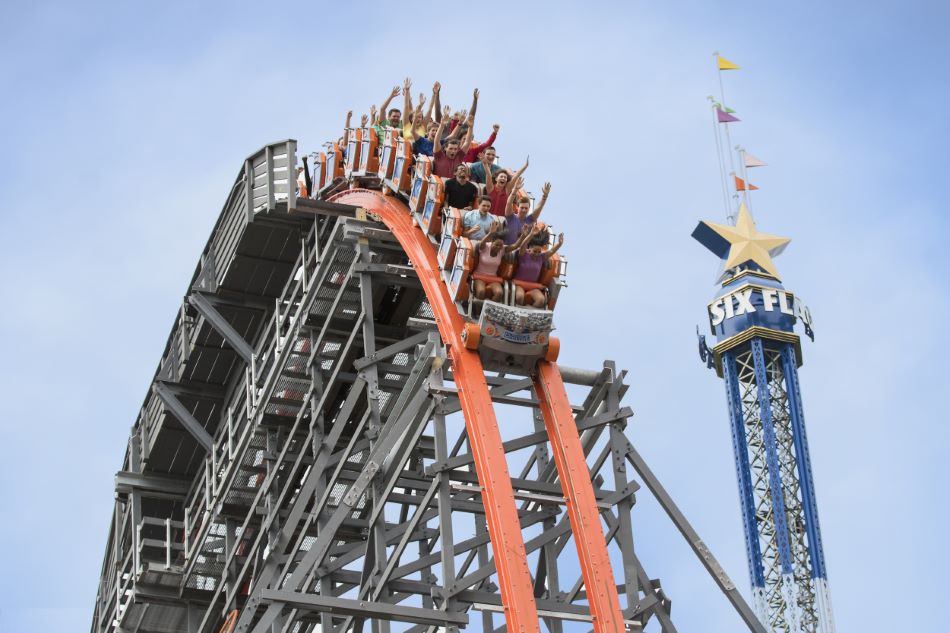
(503, 525)
(302, 434)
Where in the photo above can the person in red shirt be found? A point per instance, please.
(473, 152)
(446, 153)
(502, 186)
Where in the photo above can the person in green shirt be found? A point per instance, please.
(388, 118)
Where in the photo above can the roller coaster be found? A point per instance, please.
(320, 447)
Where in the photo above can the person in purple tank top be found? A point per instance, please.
(518, 216)
(489, 252)
(532, 259)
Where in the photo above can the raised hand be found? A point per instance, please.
(446, 111)
(546, 189)
(475, 94)
(407, 85)
(436, 87)
(364, 120)
(496, 127)
(519, 184)
(560, 239)
(422, 99)
(349, 115)
(395, 92)
(372, 112)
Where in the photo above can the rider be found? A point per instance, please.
(517, 215)
(478, 223)
(499, 188)
(459, 191)
(490, 250)
(532, 259)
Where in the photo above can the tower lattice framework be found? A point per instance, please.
(758, 355)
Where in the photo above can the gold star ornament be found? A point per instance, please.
(741, 243)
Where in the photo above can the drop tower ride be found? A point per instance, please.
(757, 354)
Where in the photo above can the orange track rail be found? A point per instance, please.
(504, 528)
(581, 502)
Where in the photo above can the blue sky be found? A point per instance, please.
(124, 124)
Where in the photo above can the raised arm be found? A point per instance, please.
(471, 112)
(424, 120)
(406, 97)
(428, 116)
(437, 105)
(489, 235)
(510, 205)
(545, 190)
(529, 233)
(522, 239)
(346, 128)
(437, 145)
(467, 137)
(478, 149)
(385, 106)
(518, 174)
(489, 181)
(560, 243)
(414, 123)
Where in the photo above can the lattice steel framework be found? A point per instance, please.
(301, 463)
(783, 540)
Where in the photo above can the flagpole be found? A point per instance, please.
(722, 164)
(728, 144)
(745, 177)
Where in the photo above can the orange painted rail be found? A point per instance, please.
(504, 528)
(578, 492)
(501, 513)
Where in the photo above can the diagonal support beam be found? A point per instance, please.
(391, 350)
(221, 326)
(308, 602)
(410, 412)
(183, 415)
(698, 546)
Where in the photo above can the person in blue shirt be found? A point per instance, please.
(478, 222)
(425, 144)
(478, 168)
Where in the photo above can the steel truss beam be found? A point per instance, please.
(340, 492)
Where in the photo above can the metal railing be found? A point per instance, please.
(236, 444)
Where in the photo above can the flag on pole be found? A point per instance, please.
(729, 110)
(741, 185)
(752, 161)
(725, 64)
(725, 117)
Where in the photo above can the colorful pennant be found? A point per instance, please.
(725, 117)
(752, 161)
(741, 185)
(725, 64)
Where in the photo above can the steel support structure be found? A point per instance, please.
(336, 472)
(776, 490)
